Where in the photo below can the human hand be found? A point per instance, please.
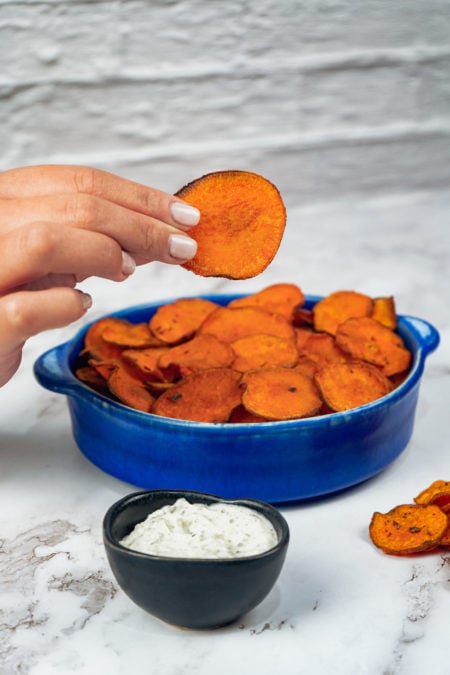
(62, 224)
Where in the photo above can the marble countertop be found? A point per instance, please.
(339, 606)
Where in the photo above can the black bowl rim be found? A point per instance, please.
(274, 516)
(74, 387)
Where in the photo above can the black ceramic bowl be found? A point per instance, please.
(190, 592)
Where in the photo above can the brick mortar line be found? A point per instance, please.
(60, 3)
(349, 60)
(287, 144)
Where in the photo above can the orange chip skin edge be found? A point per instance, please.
(242, 222)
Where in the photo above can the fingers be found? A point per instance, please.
(27, 313)
(61, 224)
(39, 181)
(9, 363)
(144, 237)
(30, 254)
(49, 281)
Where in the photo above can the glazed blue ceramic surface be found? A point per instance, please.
(272, 461)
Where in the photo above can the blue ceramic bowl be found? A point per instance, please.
(272, 461)
(191, 592)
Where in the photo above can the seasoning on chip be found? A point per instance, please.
(408, 528)
(200, 353)
(289, 368)
(415, 528)
(231, 323)
(437, 493)
(96, 346)
(280, 394)
(263, 351)
(349, 384)
(130, 390)
(205, 396)
(335, 308)
(367, 339)
(277, 298)
(147, 361)
(383, 310)
(176, 321)
(322, 349)
(126, 334)
(242, 222)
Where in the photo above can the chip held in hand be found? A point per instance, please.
(242, 222)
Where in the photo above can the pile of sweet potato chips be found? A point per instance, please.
(415, 528)
(264, 357)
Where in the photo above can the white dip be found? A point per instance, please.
(219, 530)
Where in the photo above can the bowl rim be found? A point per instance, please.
(274, 516)
(74, 387)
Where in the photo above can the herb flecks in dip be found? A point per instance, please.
(217, 530)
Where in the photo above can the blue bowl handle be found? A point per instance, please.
(426, 335)
(50, 370)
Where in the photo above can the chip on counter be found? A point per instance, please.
(437, 493)
(408, 528)
(415, 528)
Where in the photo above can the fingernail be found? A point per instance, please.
(184, 214)
(181, 247)
(86, 300)
(128, 263)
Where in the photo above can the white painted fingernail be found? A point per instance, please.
(86, 300)
(181, 247)
(128, 263)
(184, 214)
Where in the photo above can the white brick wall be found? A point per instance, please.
(325, 97)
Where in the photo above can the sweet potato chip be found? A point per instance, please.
(335, 308)
(280, 394)
(277, 299)
(200, 353)
(177, 321)
(408, 528)
(241, 225)
(322, 349)
(94, 343)
(254, 352)
(383, 310)
(270, 329)
(349, 384)
(147, 361)
(205, 396)
(126, 334)
(104, 368)
(229, 324)
(437, 493)
(130, 390)
(301, 335)
(367, 339)
(306, 366)
(90, 376)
